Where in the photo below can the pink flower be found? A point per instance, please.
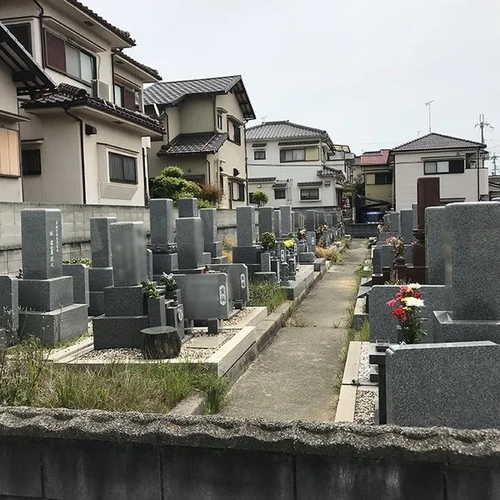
(391, 303)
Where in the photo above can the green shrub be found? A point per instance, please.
(268, 241)
(266, 294)
(172, 184)
(79, 260)
(260, 198)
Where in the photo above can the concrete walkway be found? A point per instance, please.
(294, 378)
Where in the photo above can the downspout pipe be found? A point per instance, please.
(82, 151)
(40, 22)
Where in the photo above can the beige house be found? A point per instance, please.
(459, 164)
(86, 141)
(204, 122)
(19, 75)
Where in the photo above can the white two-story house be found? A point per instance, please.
(204, 122)
(459, 164)
(86, 140)
(296, 165)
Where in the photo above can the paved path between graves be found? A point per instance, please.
(294, 378)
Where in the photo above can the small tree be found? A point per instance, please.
(211, 193)
(172, 184)
(260, 198)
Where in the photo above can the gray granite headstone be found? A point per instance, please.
(80, 274)
(162, 221)
(377, 260)
(149, 264)
(383, 324)
(237, 278)
(245, 226)
(414, 208)
(266, 220)
(209, 219)
(387, 221)
(286, 220)
(188, 207)
(447, 385)
(100, 241)
(434, 245)
(129, 248)
(277, 224)
(311, 220)
(321, 217)
(190, 243)
(406, 218)
(9, 309)
(41, 243)
(265, 262)
(395, 223)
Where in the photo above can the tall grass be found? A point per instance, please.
(228, 242)
(27, 379)
(266, 294)
(331, 253)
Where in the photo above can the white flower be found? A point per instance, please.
(413, 302)
(414, 286)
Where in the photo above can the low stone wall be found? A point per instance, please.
(76, 228)
(361, 230)
(87, 455)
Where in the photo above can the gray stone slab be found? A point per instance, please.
(237, 278)
(214, 249)
(119, 332)
(434, 245)
(449, 385)
(286, 220)
(265, 262)
(54, 327)
(100, 278)
(46, 295)
(204, 296)
(245, 226)
(124, 301)
(9, 304)
(266, 220)
(321, 217)
(188, 207)
(157, 313)
(277, 224)
(377, 259)
(100, 241)
(80, 275)
(162, 219)
(128, 243)
(190, 244)
(246, 255)
(211, 342)
(175, 318)
(149, 264)
(41, 243)
(311, 240)
(306, 257)
(383, 324)
(406, 219)
(96, 307)
(472, 232)
(414, 208)
(264, 276)
(395, 222)
(387, 220)
(311, 220)
(209, 218)
(164, 263)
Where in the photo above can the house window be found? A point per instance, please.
(251, 198)
(279, 194)
(238, 191)
(69, 59)
(383, 178)
(444, 167)
(9, 152)
(126, 98)
(219, 121)
(259, 155)
(32, 162)
(236, 137)
(287, 155)
(23, 34)
(309, 194)
(122, 168)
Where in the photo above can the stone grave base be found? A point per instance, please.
(223, 259)
(306, 257)
(119, 331)
(303, 280)
(54, 327)
(446, 329)
(96, 307)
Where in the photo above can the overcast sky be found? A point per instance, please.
(360, 69)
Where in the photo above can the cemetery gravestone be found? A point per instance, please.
(434, 245)
(163, 244)
(406, 220)
(188, 207)
(212, 246)
(266, 220)
(286, 220)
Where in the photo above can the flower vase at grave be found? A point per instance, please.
(173, 295)
(399, 267)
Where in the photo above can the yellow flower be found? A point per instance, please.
(288, 243)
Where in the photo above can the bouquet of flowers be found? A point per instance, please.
(323, 228)
(382, 229)
(406, 307)
(302, 234)
(398, 244)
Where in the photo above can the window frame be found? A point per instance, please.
(220, 121)
(65, 43)
(10, 151)
(116, 180)
(30, 35)
(387, 176)
(259, 152)
(309, 198)
(24, 164)
(288, 150)
(280, 190)
(443, 160)
(240, 191)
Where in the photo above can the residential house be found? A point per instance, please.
(86, 140)
(459, 164)
(296, 165)
(376, 173)
(19, 75)
(204, 121)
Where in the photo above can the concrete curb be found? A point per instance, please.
(192, 405)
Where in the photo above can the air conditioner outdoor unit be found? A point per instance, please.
(100, 89)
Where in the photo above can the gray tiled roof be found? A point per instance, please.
(283, 130)
(435, 141)
(172, 93)
(203, 142)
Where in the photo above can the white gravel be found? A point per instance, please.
(364, 413)
(235, 319)
(364, 364)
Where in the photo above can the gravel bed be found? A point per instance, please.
(198, 354)
(238, 317)
(364, 412)
(364, 363)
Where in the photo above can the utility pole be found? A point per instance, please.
(482, 124)
(428, 104)
(494, 159)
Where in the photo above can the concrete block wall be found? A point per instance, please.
(61, 454)
(361, 230)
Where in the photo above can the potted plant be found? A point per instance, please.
(155, 304)
(172, 291)
(406, 308)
